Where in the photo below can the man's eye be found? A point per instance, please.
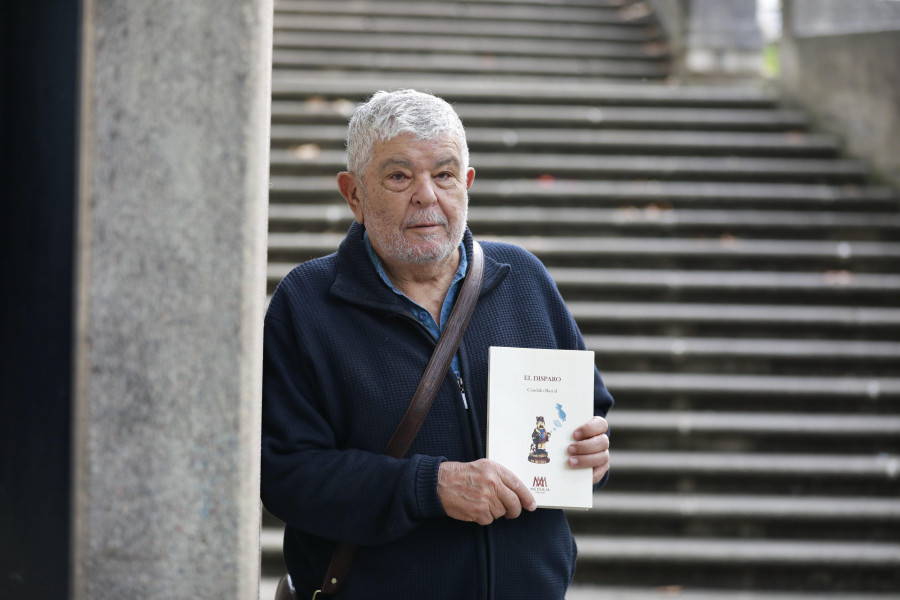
(445, 175)
(397, 176)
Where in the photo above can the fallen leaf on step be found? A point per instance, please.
(839, 277)
(305, 151)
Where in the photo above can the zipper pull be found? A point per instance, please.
(462, 389)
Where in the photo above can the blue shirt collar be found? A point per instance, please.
(421, 314)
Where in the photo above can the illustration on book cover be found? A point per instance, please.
(540, 437)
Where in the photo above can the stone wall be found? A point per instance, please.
(839, 60)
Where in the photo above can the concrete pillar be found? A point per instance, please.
(170, 298)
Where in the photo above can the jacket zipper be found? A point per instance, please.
(462, 389)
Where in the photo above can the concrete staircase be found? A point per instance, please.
(738, 279)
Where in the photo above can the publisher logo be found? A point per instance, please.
(540, 482)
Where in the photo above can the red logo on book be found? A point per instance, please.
(540, 482)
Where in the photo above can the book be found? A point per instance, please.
(536, 399)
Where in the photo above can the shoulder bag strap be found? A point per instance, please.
(412, 421)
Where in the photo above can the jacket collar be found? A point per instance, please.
(357, 282)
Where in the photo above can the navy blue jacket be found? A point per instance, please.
(342, 360)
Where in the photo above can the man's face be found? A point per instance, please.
(412, 198)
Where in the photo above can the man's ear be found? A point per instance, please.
(350, 189)
(470, 177)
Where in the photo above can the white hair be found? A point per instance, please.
(387, 115)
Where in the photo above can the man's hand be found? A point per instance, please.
(482, 491)
(591, 448)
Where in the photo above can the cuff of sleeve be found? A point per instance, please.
(602, 482)
(429, 504)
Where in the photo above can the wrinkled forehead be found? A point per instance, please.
(408, 148)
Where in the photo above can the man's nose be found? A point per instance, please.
(423, 191)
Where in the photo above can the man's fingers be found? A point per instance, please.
(512, 508)
(599, 443)
(512, 503)
(597, 459)
(594, 427)
(523, 496)
(591, 446)
(482, 491)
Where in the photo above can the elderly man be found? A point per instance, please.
(347, 338)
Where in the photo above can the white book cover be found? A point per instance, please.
(536, 399)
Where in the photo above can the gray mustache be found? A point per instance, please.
(427, 217)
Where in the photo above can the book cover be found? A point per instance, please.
(536, 399)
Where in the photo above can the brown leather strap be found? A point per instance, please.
(440, 360)
(412, 421)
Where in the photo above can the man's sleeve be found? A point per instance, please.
(308, 481)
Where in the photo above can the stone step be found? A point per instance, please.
(720, 506)
(268, 585)
(619, 549)
(763, 432)
(485, 65)
(468, 44)
(772, 553)
(663, 117)
(582, 591)
(465, 11)
(655, 219)
(702, 168)
(271, 555)
(744, 466)
(744, 564)
(782, 321)
(870, 392)
(670, 167)
(791, 254)
(662, 194)
(689, 286)
(296, 84)
(616, 349)
(562, 193)
(636, 31)
(739, 515)
(501, 220)
(727, 315)
(795, 425)
(684, 552)
(792, 251)
(482, 139)
(717, 508)
(670, 284)
(318, 111)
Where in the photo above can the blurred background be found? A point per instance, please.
(710, 184)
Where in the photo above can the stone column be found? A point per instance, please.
(170, 298)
